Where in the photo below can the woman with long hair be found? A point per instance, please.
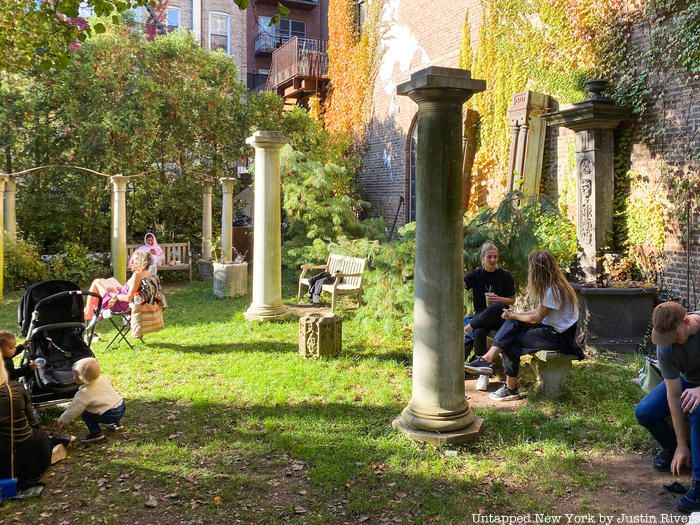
(551, 325)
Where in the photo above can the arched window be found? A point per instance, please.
(411, 172)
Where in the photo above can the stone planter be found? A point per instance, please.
(614, 319)
(230, 279)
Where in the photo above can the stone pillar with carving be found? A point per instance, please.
(118, 233)
(267, 233)
(438, 410)
(10, 207)
(527, 132)
(593, 121)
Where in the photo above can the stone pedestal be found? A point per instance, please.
(230, 279)
(10, 207)
(206, 270)
(206, 222)
(118, 231)
(267, 234)
(551, 370)
(227, 185)
(320, 336)
(438, 410)
(593, 120)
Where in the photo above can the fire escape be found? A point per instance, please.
(299, 70)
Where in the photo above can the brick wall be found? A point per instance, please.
(413, 41)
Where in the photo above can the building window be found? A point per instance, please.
(411, 205)
(219, 32)
(84, 10)
(284, 31)
(173, 18)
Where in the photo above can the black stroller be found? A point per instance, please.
(50, 315)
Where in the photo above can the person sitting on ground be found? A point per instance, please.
(150, 244)
(9, 349)
(550, 326)
(676, 334)
(32, 447)
(116, 297)
(493, 291)
(96, 401)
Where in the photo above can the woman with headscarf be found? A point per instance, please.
(150, 244)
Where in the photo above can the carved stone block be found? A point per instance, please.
(551, 369)
(320, 335)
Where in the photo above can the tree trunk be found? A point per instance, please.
(469, 137)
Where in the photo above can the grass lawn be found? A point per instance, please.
(226, 423)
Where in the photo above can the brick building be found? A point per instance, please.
(414, 41)
(247, 35)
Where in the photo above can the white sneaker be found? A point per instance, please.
(482, 384)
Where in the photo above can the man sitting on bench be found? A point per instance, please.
(676, 334)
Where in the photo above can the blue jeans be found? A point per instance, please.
(112, 417)
(652, 413)
(517, 339)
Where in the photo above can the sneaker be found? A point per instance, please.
(690, 502)
(114, 427)
(92, 437)
(662, 460)
(479, 366)
(505, 394)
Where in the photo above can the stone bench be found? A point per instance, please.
(551, 369)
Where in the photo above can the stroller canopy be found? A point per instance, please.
(64, 309)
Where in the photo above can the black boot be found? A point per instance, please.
(690, 502)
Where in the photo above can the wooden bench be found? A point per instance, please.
(348, 272)
(177, 256)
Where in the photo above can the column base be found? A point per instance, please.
(456, 437)
(266, 313)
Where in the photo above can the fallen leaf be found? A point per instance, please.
(217, 500)
(172, 495)
(299, 510)
(303, 492)
(363, 519)
(151, 502)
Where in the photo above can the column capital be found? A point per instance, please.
(441, 84)
(11, 183)
(3, 181)
(207, 186)
(119, 182)
(267, 140)
(227, 184)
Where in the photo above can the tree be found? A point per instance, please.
(45, 33)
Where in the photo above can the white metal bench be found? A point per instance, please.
(348, 272)
(177, 256)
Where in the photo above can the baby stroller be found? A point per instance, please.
(50, 315)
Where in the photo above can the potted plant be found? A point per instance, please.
(230, 277)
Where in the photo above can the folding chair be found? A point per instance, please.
(122, 329)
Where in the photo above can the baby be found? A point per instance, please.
(96, 401)
(9, 349)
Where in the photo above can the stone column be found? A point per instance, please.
(118, 233)
(206, 220)
(267, 233)
(512, 154)
(10, 207)
(520, 154)
(3, 182)
(227, 185)
(438, 410)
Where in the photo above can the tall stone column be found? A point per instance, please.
(438, 410)
(10, 207)
(511, 156)
(227, 185)
(267, 233)
(118, 233)
(206, 220)
(3, 182)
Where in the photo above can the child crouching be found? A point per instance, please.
(96, 401)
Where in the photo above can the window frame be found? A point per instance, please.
(177, 10)
(228, 30)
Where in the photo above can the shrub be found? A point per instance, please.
(76, 265)
(23, 266)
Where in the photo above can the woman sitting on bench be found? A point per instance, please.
(550, 326)
(116, 297)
